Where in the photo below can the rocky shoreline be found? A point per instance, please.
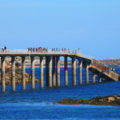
(110, 62)
(113, 100)
(18, 74)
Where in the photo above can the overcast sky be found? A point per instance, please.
(91, 25)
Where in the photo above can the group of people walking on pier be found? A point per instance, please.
(44, 50)
(40, 49)
(64, 50)
(53, 50)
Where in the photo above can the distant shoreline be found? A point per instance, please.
(113, 100)
(110, 62)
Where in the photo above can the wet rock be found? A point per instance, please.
(118, 98)
(111, 99)
(107, 100)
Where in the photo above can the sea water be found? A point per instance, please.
(38, 103)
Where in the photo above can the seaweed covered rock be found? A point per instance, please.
(107, 100)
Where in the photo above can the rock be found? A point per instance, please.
(18, 73)
(78, 101)
(101, 100)
(118, 98)
(107, 100)
(111, 99)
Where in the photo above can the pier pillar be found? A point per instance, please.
(87, 74)
(58, 70)
(23, 73)
(99, 78)
(32, 73)
(66, 70)
(93, 76)
(80, 71)
(3, 74)
(53, 71)
(41, 73)
(49, 71)
(13, 74)
(74, 71)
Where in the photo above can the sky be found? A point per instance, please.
(91, 25)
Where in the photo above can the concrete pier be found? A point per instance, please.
(58, 71)
(41, 73)
(52, 59)
(80, 71)
(49, 71)
(13, 73)
(66, 70)
(23, 73)
(73, 71)
(99, 78)
(3, 74)
(93, 76)
(33, 73)
(53, 71)
(87, 74)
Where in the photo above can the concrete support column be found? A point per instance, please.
(13, 74)
(32, 73)
(3, 74)
(66, 70)
(99, 78)
(93, 76)
(49, 71)
(41, 73)
(80, 71)
(23, 73)
(87, 74)
(53, 71)
(73, 71)
(58, 71)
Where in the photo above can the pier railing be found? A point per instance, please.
(104, 69)
(23, 51)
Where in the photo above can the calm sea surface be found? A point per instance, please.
(38, 103)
